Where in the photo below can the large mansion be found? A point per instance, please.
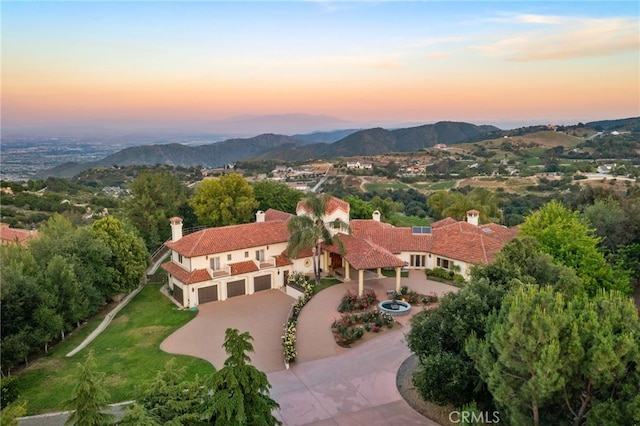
(218, 263)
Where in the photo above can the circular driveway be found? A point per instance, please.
(262, 314)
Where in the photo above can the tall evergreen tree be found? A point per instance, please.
(548, 359)
(240, 391)
(89, 398)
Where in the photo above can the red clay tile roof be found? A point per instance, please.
(273, 214)
(243, 267)
(363, 254)
(333, 204)
(184, 276)
(13, 235)
(393, 239)
(449, 238)
(443, 222)
(301, 254)
(282, 260)
(228, 238)
(470, 243)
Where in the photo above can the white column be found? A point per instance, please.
(380, 273)
(360, 282)
(347, 271)
(223, 290)
(398, 275)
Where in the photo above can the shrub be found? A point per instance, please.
(8, 390)
(289, 341)
(300, 281)
(351, 327)
(352, 302)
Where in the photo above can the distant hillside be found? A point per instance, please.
(212, 155)
(624, 124)
(288, 148)
(325, 137)
(379, 141)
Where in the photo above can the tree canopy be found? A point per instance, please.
(548, 359)
(568, 239)
(155, 198)
(128, 259)
(227, 200)
(89, 399)
(240, 391)
(456, 204)
(276, 195)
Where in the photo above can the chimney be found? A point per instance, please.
(376, 216)
(176, 228)
(260, 216)
(472, 217)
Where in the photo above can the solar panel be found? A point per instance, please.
(421, 229)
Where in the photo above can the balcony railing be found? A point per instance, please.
(267, 263)
(222, 272)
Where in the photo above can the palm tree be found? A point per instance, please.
(309, 231)
(456, 204)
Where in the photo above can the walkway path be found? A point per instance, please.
(111, 315)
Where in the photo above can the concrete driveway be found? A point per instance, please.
(262, 314)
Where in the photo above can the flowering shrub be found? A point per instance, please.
(352, 302)
(415, 298)
(300, 281)
(289, 340)
(351, 327)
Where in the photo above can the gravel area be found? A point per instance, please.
(407, 389)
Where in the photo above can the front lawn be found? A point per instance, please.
(325, 282)
(128, 351)
(391, 273)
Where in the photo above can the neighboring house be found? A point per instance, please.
(605, 168)
(218, 263)
(10, 235)
(358, 165)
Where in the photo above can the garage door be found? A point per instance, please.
(208, 294)
(235, 288)
(177, 294)
(262, 283)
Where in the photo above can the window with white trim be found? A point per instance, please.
(215, 263)
(444, 263)
(260, 255)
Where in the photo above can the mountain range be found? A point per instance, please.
(318, 145)
(300, 147)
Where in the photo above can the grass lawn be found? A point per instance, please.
(391, 273)
(325, 283)
(437, 186)
(128, 351)
(398, 219)
(380, 187)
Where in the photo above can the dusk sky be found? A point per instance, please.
(364, 62)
